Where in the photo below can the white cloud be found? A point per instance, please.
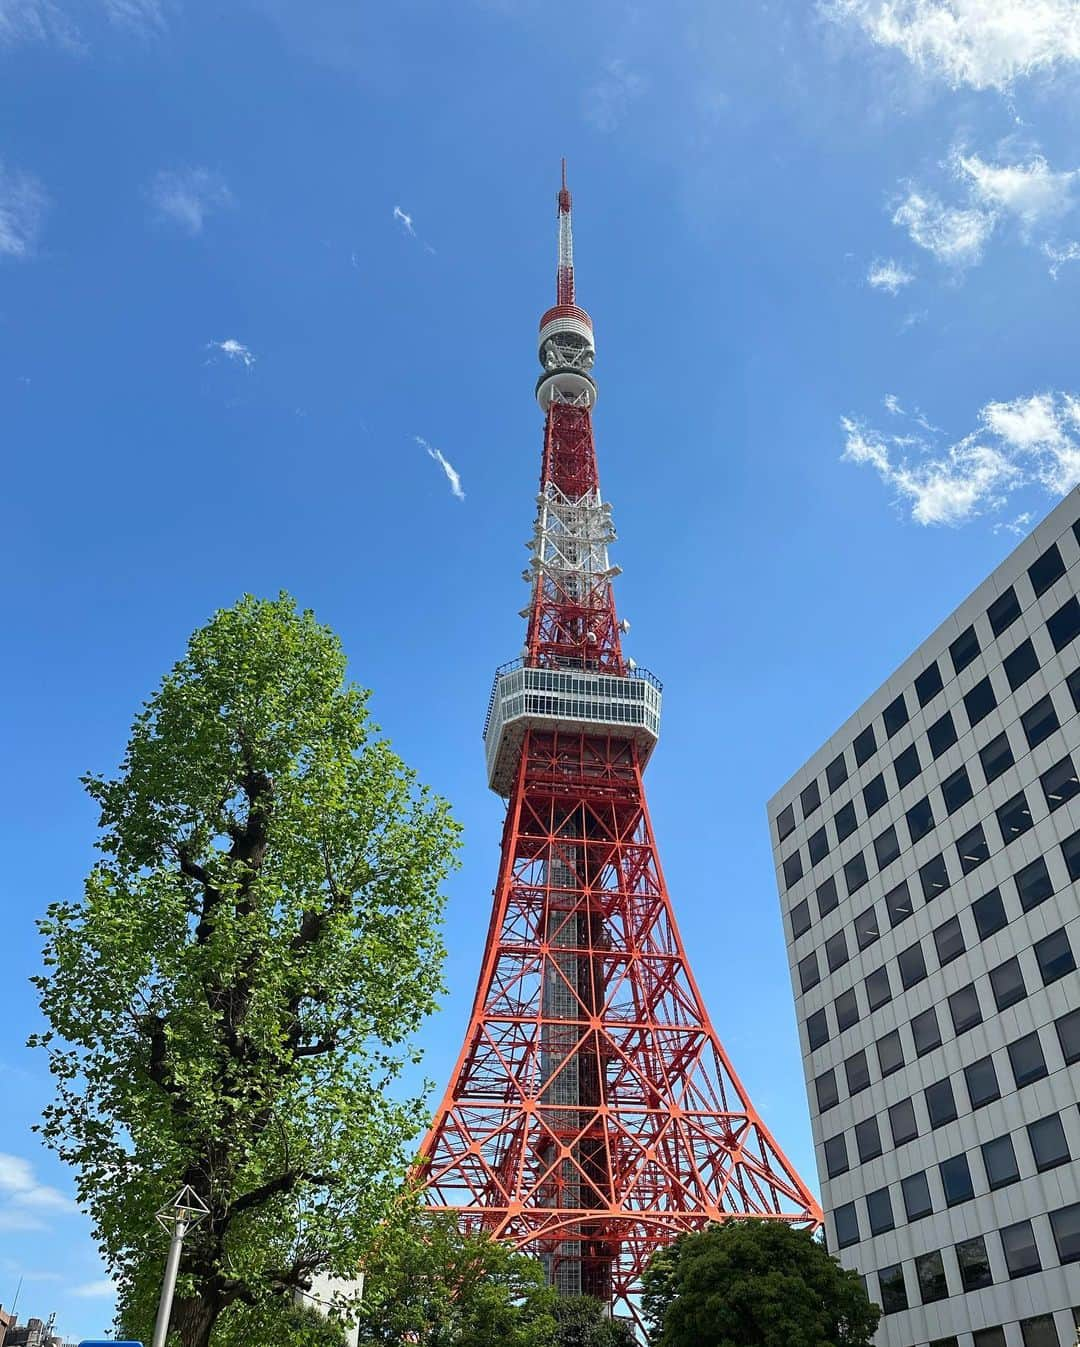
(22, 205)
(889, 276)
(185, 197)
(144, 16)
(21, 1188)
(891, 403)
(954, 235)
(608, 100)
(1069, 252)
(984, 44)
(49, 21)
(1033, 192)
(233, 350)
(90, 1290)
(452, 474)
(405, 221)
(1031, 441)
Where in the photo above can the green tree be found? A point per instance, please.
(236, 989)
(581, 1321)
(754, 1283)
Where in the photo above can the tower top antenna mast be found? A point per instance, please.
(564, 284)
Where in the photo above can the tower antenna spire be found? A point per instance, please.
(564, 283)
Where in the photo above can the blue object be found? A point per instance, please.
(110, 1342)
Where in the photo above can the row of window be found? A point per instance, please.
(1038, 723)
(1063, 627)
(1038, 1331)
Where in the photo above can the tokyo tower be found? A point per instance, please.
(593, 1114)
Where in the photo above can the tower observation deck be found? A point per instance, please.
(593, 1114)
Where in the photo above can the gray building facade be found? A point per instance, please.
(928, 860)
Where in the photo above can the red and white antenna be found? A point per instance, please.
(564, 286)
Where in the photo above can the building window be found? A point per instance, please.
(999, 1161)
(1021, 1251)
(934, 877)
(828, 1095)
(930, 1271)
(827, 897)
(940, 1104)
(1070, 850)
(1033, 884)
(866, 928)
(864, 745)
(836, 950)
(1065, 1224)
(1064, 625)
(926, 1032)
(907, 766)
(1021, 664)
(928, 684)
(916, 1192)
(912, 965)
(902, 1122)
(836, 772)
(886, 847)
(847, 1225)
(810, 798)
(855, 873)
(891, 1289)
(941, 734)
(982, 1082)
(800, 918)
(785, 822)
(1027, 1060)
(990, 1337)
(868, 1141)
(1007, 983)
(898, 904)
(996, 757)
(1060, 783)
(1014, 818)
(1048, 1144)
(895, 716)
(979, 702)
(964, 649)
(879, 1211)
(878, 991)
(949, 941)
(1039, 722)
(792, 869)
(844, 821)
(1055, 956)
(1004, 611)
(818, 846)
(989, 913)
(945, 1342)
(956, 1180)
(817, 1030)
(846, 1006)
(964, 1009)
(956, 790)
(1039, 1331)
(875, 794)
(973, 1263)
(857, 1071)
(972, 849)
(808, 972)
(1068, 1032)
(1046, 569)
(890, 1052)
(836, 1161)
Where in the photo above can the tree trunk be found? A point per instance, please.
(193, 1320)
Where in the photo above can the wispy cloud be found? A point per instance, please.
(452, 474)
(608, 100)
(953, 235)
(1030, 441)
(405, 220)
(1068, 252)
(22, 205)
(91, 1290)
(23, 21)
(20, 1188)
(1033, 192)
(982, 44)
(233, 350)
(186, 197)
(143, 16)
(890, 276)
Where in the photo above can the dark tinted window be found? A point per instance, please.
(980, 701)
(1039, 1331)
(836, 951)
(964, 1008)
(895, 715)
(1055, 956)
(999, 1161)
(940, 1104)
(892, 1292)
(886, 847)
(826, 896)
(1068, 1032)
(949, 940)
(934, 877)
(868, 1140)
(956, 1180)
(855, 872)
(928, 684)
(925, 1031)
(836, 772)
(982, 1082)
(916, 1192)
(879, 1210)
(792, 869)
(1048, 1144)
(907, 766)
(875, 795)
(972, 849)
(1021, 1251)
(996, 757)
(1014, 818)
(973, 1263)
(1021, 664)
(1065, 1224)
(857, 1071)
(1040, 722)
(836, 1161)
(1048, 568)
(866, 927)
(847, 1225)
(920, 819)
(930, 1271)
(898, 904)
(864, 745)
(800, 918)
(785, 822)
(1060, 783)
(817, 1029)
(808, 972)
(1027, 1060)
(878, 990)
(890, 1053)
(1033, 884)
(902, 1122)
(1064, 625)
(847, 1010)
(810, 798)
(941, 734)
(1007, 983)
(1004, 611)
(964, 649)
(989, 913)
(989, 1337)
(912, 965)
(956, 790)
(1074, 688)
(1070, 850)
(845, 821)
(818, 845)
(826, 1090)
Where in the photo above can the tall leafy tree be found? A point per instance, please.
(235, 991)
(581, 1321)
(753, 1283)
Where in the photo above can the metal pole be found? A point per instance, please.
(172, 1268)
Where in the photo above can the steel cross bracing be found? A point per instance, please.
(593, 1114)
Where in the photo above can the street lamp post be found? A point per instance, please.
(177, 1217)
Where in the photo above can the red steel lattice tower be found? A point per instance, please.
(593, 1114)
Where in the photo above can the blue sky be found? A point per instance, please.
(255, 259)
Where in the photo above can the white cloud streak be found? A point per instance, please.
(22, 206)
(1033, 192)
(452, 474)
(19, 1186)
(234, 350)
(405, 220)
(890, 276)
(953, 235)
(608, 100)
(1031, 441)
(25, 21)
(186, 197)
(91, 1290)
(1069, 252)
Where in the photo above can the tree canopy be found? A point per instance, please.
(233, 996)
(754, 1283)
